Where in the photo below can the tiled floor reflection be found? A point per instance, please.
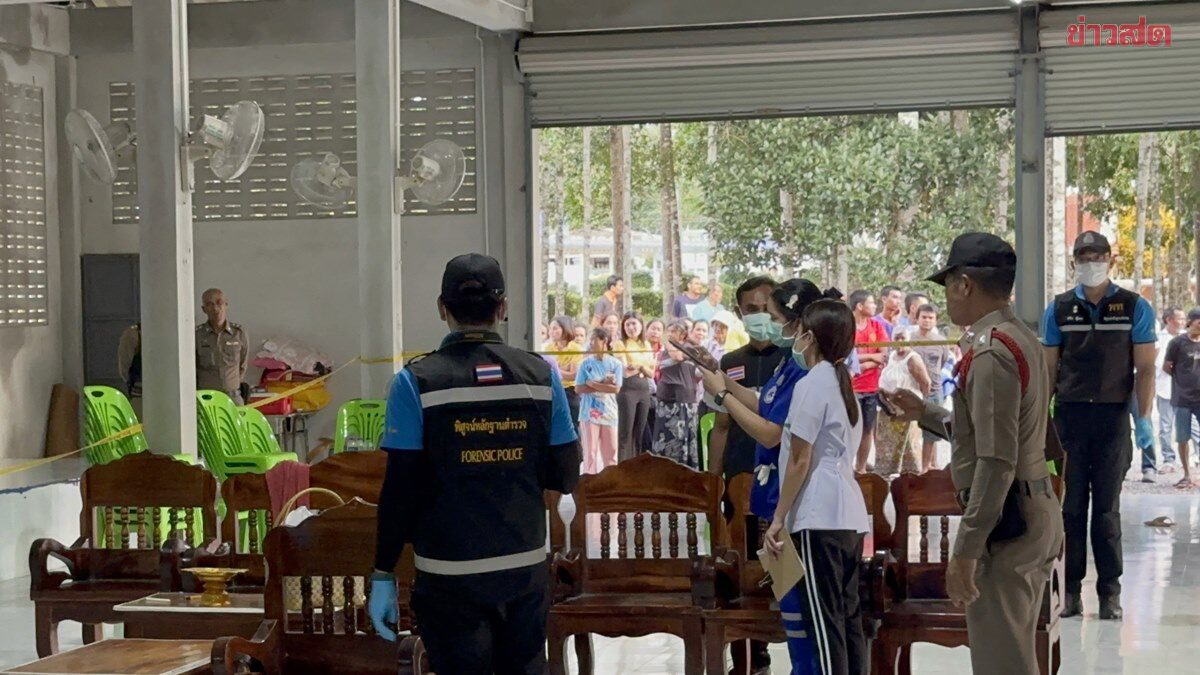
(1160, 634)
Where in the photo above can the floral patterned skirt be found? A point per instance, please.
(675, 432)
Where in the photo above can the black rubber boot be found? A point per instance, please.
(1072, 605)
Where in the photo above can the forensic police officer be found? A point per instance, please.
(475, 431)
(1097, 336)
(222, 348)
(1010, 531)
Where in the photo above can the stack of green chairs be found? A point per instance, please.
(107, 412)
(361, 423)
(707, 422)
(260, 437)
(224, 442)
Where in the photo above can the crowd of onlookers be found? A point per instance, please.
(633, 391)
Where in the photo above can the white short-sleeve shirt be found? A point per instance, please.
(831, 500)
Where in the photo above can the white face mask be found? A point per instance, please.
(1091, 274)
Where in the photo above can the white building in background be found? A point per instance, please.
(647, 252)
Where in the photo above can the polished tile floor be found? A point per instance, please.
(1160, 633)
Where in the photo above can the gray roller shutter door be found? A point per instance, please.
(844, 67)
(1092, 89)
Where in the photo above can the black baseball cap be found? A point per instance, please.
(976, 249)
(472, 275)
(1091, 241)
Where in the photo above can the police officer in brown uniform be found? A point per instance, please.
(222, 349)
(1011, 529)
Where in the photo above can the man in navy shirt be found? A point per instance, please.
(474, 432)
(1100, 351)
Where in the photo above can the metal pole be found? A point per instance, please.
(377, 73)
(1031, 177)
(165, 227)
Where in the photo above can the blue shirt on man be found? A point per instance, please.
(1143, 319)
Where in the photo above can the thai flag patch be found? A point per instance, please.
(736, 373)
(488, 373)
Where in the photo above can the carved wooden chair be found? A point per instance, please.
(147, 506)
(661, 582)
(316, 601)
(920, 610)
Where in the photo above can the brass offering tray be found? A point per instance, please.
(215, 580)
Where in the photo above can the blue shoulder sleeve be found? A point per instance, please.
(1143, 323)
(404, 425)
(1051, 335)
(562, 429)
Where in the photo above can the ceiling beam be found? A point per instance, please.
(497, 16)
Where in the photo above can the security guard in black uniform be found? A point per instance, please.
(475, 432)
(1100, 346)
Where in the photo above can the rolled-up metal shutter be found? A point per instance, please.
(938, 61)
(1122, 88)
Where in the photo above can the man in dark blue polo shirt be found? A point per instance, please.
(1100, 347)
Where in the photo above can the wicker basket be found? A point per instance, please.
(291, 585)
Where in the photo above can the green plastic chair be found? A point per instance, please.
(223, 441)
(707, 422)
(362, 419)
(106, 412)
(260, 437)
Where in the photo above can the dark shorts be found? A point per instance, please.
(870, 409)
(936, 399)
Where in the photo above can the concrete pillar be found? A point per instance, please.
(167, 286)
(1031, 174)
(377, 77)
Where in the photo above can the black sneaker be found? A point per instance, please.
(1110, 608)
(1072, 605)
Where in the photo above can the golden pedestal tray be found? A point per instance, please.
(215, 580)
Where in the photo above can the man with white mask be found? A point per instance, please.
(1100, 347)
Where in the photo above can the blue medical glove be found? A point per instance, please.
(1143, 432)
(382, 606)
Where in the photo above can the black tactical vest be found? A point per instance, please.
(1095, 364)
(486, 414)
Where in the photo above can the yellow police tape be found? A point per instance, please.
(404, 356)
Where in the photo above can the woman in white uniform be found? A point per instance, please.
(820, 503)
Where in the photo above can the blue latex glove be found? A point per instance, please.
(1143, 432)
(382, 608)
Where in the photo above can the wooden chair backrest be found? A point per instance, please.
(746, 532)
(156, 497)
(655, 492)
(875, 493)
(323, 563)
(350, 474)
(927, 496)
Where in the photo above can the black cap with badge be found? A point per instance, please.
(976, 249)
(472, 275)
(1092, 241)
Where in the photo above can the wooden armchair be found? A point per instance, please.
(316, 617)
(920, 610)
(143, 503)
(660, 588)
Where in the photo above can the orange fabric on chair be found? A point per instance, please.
(284, 480)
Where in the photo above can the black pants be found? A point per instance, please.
(1099, 451)
(633, 409)
(469, 633)
(829, 599)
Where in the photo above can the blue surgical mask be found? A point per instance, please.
(798, 355)
(778, 338)
(758, 326)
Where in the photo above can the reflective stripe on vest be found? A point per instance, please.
(482, 394)
(455, 568)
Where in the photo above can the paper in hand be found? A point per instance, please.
(786, 570)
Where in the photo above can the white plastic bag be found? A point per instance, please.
(896, 375)
(298, 515)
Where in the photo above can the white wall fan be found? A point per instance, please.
(435, 175)
(229, 143)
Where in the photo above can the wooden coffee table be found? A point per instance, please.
(126, 657)
(179, 616)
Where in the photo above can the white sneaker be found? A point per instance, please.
(1148, 476)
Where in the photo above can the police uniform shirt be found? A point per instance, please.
(773, 405)
(476, 446)
(221, 357)
(831, 498)
(751, 368)
(1094, 365)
